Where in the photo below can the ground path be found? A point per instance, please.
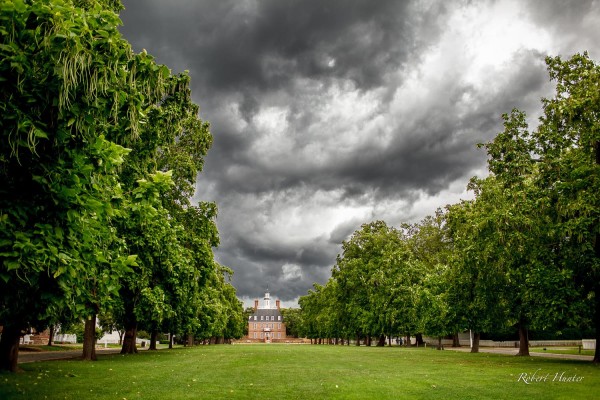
(533, 353)
(27, 357)
(33, 356)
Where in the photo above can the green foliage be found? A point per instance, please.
(293, 321)
(61, 66)
(78, 329)
(100, 155)
(524, 253)
(382, 284)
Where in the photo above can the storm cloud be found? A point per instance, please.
(330, 114)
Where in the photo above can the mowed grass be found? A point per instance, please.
(562, 350)
(279, 371)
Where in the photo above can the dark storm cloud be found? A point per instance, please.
(328, 114)
(257, 45)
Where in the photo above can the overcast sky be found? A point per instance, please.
(330, 114)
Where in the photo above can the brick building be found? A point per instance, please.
(266, 323)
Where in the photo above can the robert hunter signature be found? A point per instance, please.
(538, 377)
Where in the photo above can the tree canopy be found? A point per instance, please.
(524, 253)
(100, 152)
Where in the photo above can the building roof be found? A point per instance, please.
(267, 312)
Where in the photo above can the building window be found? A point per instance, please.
(273, 318)
(255, 317)
(279, 318)
(261, 335)
(279, 335)
(279, 326)
(255, 325)
(261, 317)
(254, 335)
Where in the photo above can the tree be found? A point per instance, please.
(293, 321)
(89, 127)
(359, 274)
(474, 285)
(431, 247)
(568, 142)
(62, 68)
(539, 289)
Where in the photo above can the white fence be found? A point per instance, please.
(589, 344)
(65, 338)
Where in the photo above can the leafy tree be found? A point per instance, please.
(539, 289)
(64, 95)
(293, 321)
(568, 143)
(474, 285)
(89, 128)
(431, 249)
(319, 311)
(375, 280)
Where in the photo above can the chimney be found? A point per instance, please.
(277, 304)
(255, 304)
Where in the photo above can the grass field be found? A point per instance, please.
(562, 350)
(304, 372)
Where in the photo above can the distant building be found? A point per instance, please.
(266, 324)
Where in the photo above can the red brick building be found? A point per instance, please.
(266, 323)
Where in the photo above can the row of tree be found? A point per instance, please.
(524, 253)
(99, 156)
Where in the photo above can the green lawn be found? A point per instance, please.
(562, 350)
(37, 348)
(302, 372)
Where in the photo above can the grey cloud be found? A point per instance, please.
(242, 45)
(245, 56)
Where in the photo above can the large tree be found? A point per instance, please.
(538, 288)
(67, 104)
(568, 144)
(90, 130)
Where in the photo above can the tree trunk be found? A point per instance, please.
(170, 340)
(153, 339)
(455, 340)
(190, 340)
(129, 346)
(9, 348)
(475, 348)
(407, 342)
(390, 340)
(121, 333)
(596, 359)
(50, 335)
(381, 341)
(523, 340)
(597, 312)
(357, 339)
(89, 339)
(419, 339)
(596, 284)
(368, 340)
